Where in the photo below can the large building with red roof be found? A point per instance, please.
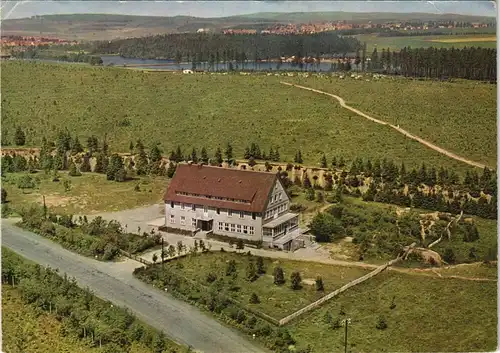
(241, 204)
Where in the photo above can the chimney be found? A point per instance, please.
(218, 180)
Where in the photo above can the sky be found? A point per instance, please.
(20, 9)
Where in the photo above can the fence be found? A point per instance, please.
(135, 257)
(329, 296)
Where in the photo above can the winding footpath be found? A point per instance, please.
(397, 128)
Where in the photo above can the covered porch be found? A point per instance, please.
(204, 223)
(280, 232)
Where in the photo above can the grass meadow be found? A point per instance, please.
(89, 193)
(458, 116)
(25, 329)
(276, 301)
(431, 315)
(205, 110)
(444, 41)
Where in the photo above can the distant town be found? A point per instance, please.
(319, 27)
(12, 41)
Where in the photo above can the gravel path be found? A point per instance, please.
(115, 282)
(397, 128)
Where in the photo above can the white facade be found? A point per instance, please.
(274, 224)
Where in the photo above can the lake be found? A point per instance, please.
(171, 65)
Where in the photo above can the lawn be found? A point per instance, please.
(89, 193)
(26, 329)
(210, 110)
(276, 301)
(458, 116)
(431, 315)
(444, 41)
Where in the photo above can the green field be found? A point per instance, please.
(458, 116)
(443, 41)
(26, 329)
(276, 301)
(89, 193)
(205, 110)
(431, 315)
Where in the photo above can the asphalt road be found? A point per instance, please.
(114, 281)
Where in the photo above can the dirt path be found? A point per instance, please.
(397, 128)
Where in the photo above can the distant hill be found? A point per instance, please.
(107, 27)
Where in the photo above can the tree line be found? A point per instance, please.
(82, 314)
(39, 53)
(203, 47)
(476, 194)
(468, 63)
(97, 238)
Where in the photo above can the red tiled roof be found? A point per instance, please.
(253, 187)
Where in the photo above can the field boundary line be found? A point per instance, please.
(359, 280)
(397, 128)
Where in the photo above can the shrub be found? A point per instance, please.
(3, 198)
(254, 299)
(260, 266)
(319, 284)
(279, 277)
(211, 277)
(449, 256)
(327, 318)
(336, 324)
(47, 228)
(240, 316)
(393, 304)
(110, 252)
(381, 324)
(251, 321)
(471, 233)
(251, 272)
(231, 267)
(296, 280)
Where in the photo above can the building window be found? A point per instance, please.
(172, 204)
(238, 228)
(193, 222)
(183, 220)
(205, 209)
(251, 230)
(229, 213)
(232, 228)
(242, 214)
(280, 195)
(221, 226)
(193, 207)
(182, 205)
(172, 218)
(245, 229)
(253, 215)
(218, 211)
(275, 198)
(226, 227)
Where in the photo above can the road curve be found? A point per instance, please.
(397, 128)
(115, 282)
